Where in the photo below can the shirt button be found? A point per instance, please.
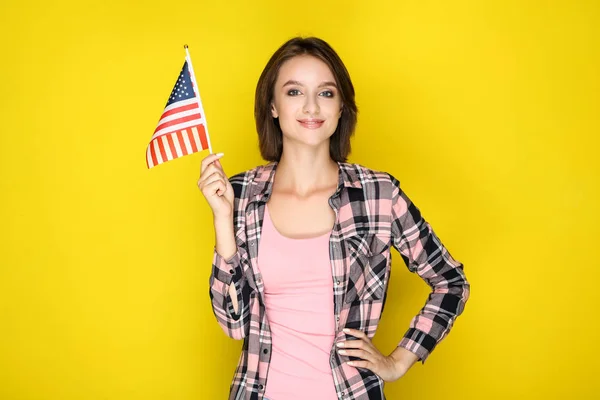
(337, 319)
(231, 271)
(337, 282)
(260, 387)
(251, 243)
(265, 351)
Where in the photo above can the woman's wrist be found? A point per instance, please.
(404, 359)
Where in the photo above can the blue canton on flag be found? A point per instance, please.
(183, 89)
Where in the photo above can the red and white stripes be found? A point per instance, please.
(169, 146)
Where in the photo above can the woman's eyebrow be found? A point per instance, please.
(290, 82)
(328, 83)
(298, 83)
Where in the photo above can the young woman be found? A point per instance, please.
(302, 256)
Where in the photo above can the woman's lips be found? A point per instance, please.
(311, 123)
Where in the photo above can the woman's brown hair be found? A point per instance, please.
(269, 133)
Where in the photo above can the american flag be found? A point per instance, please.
(182, 126)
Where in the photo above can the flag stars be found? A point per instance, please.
(183, 89)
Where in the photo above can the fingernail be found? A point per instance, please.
(340, 344)
(346, 330)
(350, 363)
(219, 154)
(342, 351)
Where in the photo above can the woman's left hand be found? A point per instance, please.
(389, 368)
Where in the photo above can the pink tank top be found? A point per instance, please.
(299, 306)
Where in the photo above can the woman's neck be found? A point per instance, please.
(303, 173)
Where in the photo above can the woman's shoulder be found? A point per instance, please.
(252, 180)
(244, 177)
(368, 176)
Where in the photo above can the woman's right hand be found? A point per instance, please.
(215, 187)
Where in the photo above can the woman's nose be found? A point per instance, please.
(311, 106)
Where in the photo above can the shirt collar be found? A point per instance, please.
(262, 182)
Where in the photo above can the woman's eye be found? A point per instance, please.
(293, 92)
(327, 93)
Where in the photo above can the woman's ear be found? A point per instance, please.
(274, 111)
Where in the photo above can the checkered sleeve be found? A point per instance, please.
(226, 272)
(424, 253)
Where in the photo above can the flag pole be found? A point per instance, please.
(197, 93)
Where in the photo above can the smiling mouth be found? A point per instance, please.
(311, 123)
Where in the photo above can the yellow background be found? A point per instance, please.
(487, 112)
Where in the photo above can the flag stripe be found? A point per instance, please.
(165, 145)
(177, 144)
(203, 140)
(181, 143)
(196, 138)
(186, 141)
(177, 127)
(148, 158)
(159, 158)
(161, 147)
(153, 154)
(180, 108)
(178, 115)
(193, 140)
(177, 121)
(180, 104)
(172, 146)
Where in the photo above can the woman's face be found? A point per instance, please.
(306, 101)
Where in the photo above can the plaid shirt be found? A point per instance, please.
(372, 213)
